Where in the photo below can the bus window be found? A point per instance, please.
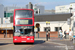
(23, 31)
(23, 14)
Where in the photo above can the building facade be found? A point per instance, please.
(1, 12)
(49, 11)
(38, 9)
(65, 8)
(57, 22)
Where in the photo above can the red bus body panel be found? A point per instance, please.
(23, 39)
(23, 18)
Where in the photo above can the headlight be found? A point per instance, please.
(28, 38)
(15, 39)
(31, 39)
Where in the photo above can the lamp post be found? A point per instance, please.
(70, 9)
(70, 15)
(47, 30)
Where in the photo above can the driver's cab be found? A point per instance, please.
(26, 31)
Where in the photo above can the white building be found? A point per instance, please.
(6, 23)
(29, 6)
(11, 8)
(56, 20)
(1, 12)
(65, 8)
(38, 9)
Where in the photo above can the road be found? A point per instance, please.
(46, 46)
(7, 44)
(68, 43)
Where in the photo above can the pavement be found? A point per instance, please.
(39, 44)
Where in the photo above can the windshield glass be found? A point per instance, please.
(24, 21)
(24, 31)
(23, 14)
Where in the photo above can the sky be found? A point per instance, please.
(49, 4)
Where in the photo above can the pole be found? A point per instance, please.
(6, 30)
(73, 31)
(38, 35)
(58, 29)
(70, 19)
(35, 31)
(6, 33)
(35, 34)
(47, 36)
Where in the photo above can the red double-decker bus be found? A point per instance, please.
(23, 26)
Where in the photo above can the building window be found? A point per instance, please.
(36, 12)
(46, 28)
(56, 28)
(38, 26)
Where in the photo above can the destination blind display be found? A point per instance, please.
(24, 21)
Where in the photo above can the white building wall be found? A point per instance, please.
(54, 24)
(65, 26)
(6, 25)
(11, 8)
(38, 8)
(65, 8)
(6, 20)
(41, 9)
(35, 7)
(72, 5)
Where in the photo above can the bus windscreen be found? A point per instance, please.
(23, 14)
(23, 31)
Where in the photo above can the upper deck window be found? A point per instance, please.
(23, 14)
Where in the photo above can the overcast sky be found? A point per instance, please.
(49, 4)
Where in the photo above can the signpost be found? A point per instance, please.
(69, 22)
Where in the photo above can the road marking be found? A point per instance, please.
(34, 45)
(30, 47)
(59, 44)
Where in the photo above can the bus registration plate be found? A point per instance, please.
(23, 41)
